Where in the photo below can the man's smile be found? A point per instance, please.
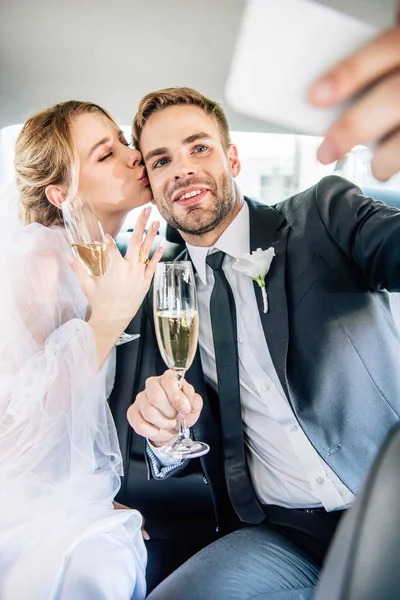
(189, 196)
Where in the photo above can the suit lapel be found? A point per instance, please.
(269, 228)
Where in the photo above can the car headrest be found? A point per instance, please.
(171, 249)
(363, 561)
(173, 235)
(122, 241)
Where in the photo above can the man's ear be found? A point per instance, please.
(55, 194)
(233, 160)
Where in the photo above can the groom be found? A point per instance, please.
(294, 402)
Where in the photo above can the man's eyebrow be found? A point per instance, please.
(103, 141)
(189, 140)
(197, 136)
(156, 152)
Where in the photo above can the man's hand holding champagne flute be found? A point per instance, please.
(176, 323)
(168, 406)
(155, 412)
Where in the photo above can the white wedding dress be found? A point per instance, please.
(60, 465)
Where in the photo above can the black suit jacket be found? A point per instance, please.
(330, 332)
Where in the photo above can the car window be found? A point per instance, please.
(274, 167)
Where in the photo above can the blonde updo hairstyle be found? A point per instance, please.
(45, 155)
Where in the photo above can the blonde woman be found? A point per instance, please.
(60, 466)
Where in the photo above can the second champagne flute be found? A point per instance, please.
(177, 324)
(86, 237)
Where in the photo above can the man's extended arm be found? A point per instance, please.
(367, 231)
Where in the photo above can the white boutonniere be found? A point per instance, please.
(257, 265)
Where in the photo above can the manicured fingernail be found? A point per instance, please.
(323, 90)
(145, 535)
(156, 225)
(147, 211)
(160, 249)
(327, 152)
(111, 239)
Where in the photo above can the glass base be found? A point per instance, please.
(185, 448)
(126, 337)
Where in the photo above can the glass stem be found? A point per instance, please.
(183, 432)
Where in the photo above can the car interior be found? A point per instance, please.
(115, 53)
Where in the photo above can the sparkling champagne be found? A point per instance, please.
(177, 337)
(93, 257)
(176, 323)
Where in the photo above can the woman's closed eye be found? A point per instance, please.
(105, 156)
(123, 141)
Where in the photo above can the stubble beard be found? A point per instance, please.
(197, 220)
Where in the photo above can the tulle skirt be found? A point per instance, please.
(60, 464)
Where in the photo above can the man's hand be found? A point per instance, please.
(375, 117)
(154, 414)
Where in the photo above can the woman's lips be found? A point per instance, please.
(144, 177)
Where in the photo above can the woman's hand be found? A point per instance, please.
(375, 117)
(115, 298)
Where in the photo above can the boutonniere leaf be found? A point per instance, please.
(256, 265)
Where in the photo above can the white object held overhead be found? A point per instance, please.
(283, 47)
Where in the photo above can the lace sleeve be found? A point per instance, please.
(58, 443)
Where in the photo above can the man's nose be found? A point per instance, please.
(183, 170)
(134, 158)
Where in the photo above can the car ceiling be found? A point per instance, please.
(114, 51)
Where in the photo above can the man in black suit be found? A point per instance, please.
(295, 411)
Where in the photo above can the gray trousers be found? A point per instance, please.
(277, 560)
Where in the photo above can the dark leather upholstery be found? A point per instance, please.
(173, 243)
(168, 518)
(363, 562)
(172, 235)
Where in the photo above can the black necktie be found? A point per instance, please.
(224, 328)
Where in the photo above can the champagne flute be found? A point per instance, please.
(177, 325)
(86, 237)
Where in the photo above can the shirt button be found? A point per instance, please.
(320, 480)
(239, 339)
(293, 428)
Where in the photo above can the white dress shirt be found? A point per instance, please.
(284, 466)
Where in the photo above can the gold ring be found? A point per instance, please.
(144, 260)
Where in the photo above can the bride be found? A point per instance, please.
(60, 465)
